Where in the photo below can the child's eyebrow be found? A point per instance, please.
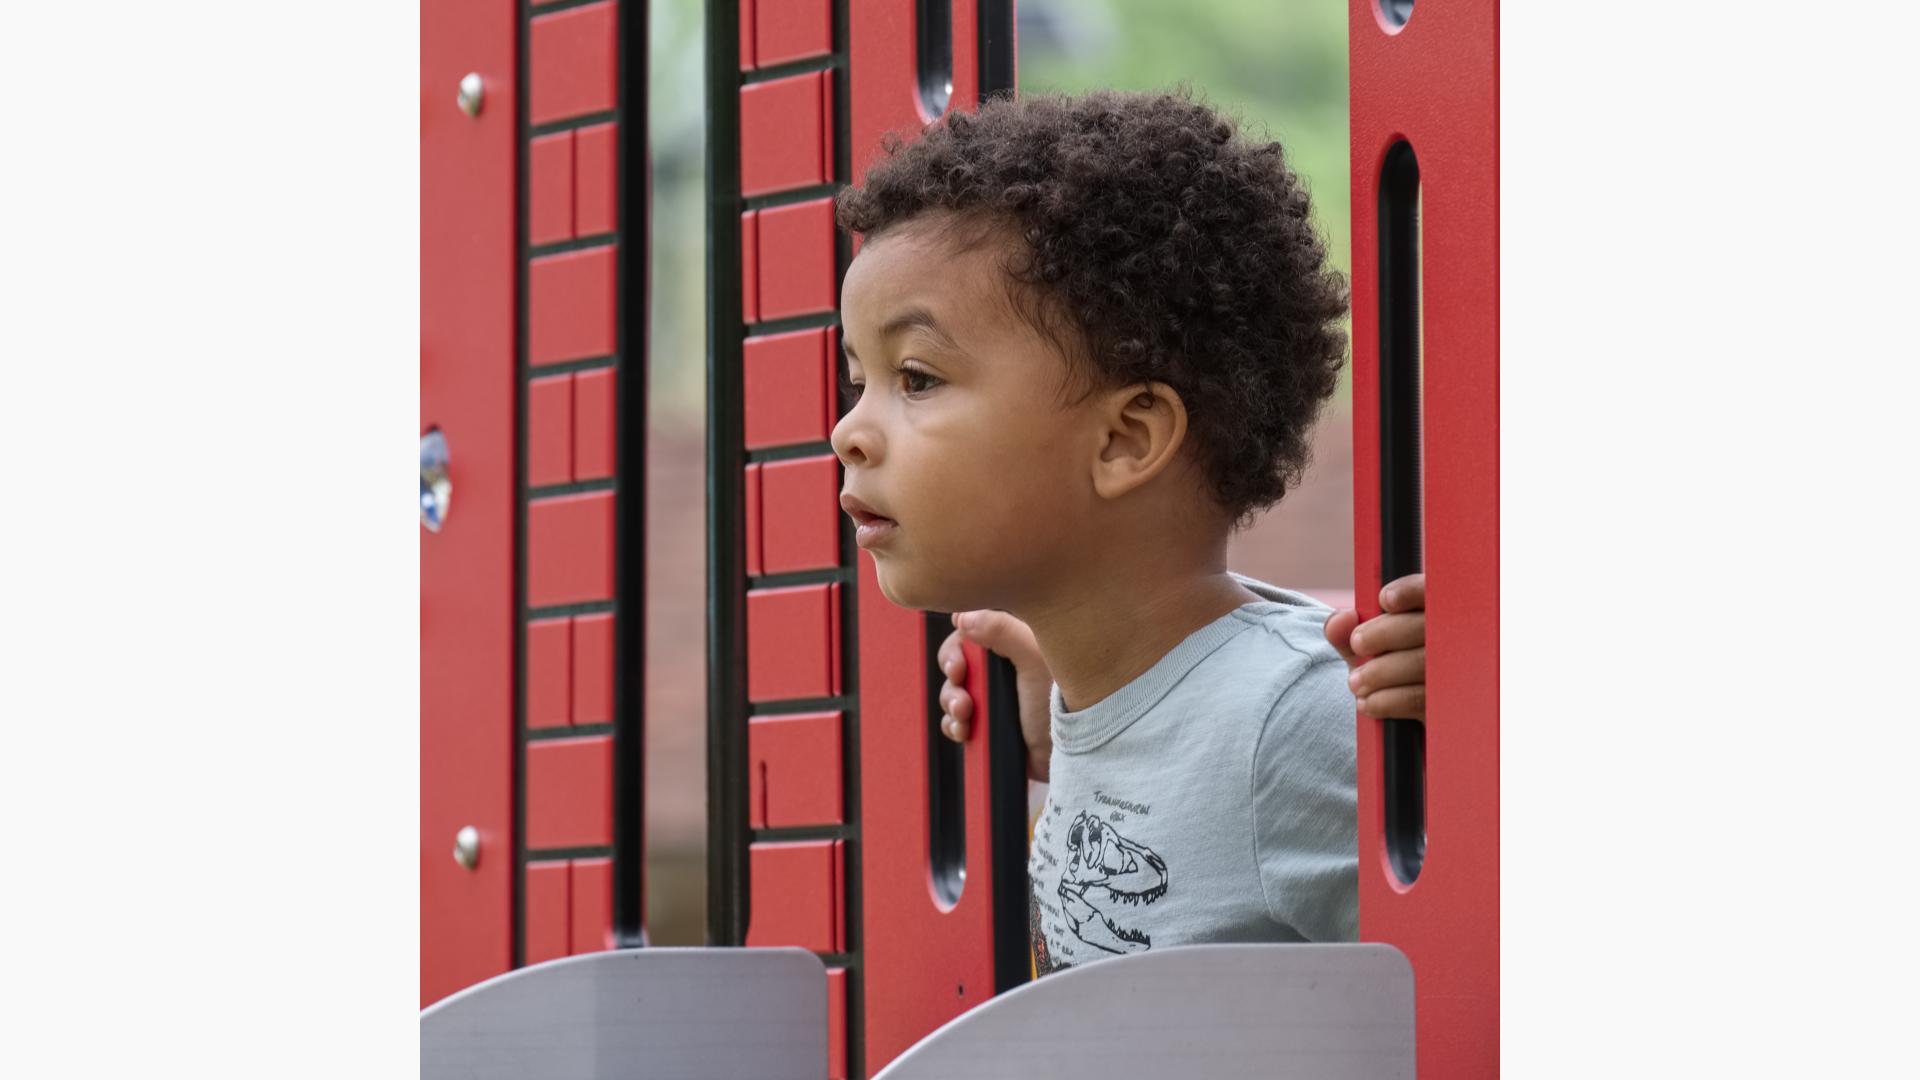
(912, 318)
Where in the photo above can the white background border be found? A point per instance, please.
(209, 321)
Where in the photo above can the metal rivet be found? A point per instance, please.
(436, 487)
(473, 90)
(466, 847)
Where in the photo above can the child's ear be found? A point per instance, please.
(1144, 427)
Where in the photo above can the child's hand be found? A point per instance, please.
(1008, 636)
(1387, 654)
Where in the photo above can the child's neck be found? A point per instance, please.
(1117, 625)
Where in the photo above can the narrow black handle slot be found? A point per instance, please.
(934, 55)
(1007, 818)
(1403, 742)
(946, 780)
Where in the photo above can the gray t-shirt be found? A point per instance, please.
(1210, 799)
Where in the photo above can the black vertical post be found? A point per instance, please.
(632, 321)
(726, 461)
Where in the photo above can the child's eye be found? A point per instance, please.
(849, 393)
(915, 381)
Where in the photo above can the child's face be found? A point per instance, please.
(957, 436)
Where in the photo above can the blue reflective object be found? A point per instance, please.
(436, 488)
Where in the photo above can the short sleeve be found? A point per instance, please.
(1305, 806)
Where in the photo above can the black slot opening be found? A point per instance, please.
(934, 55)
(1403, 742)
(946, 780)
(1007, 817)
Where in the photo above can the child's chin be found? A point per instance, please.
(903, 590)
(899, 592)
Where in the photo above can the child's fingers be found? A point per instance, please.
(1405, 668)
(1339, 631)
(1398, 703)
(953, 659)
(1001, 633)
(1405, 594)
(1390, 633)
(956, 708)
(956, 702)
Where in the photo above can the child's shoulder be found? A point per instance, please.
(1284, 660)
(1291, 626)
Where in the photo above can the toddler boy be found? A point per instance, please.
(1086, 339)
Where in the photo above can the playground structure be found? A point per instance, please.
(840, 822)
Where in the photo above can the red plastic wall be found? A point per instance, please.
(793, 767)
(550, 844)
(574, 334)
(467, 390)
(796, 596)
(1435, 83)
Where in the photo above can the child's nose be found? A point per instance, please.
(853, 443)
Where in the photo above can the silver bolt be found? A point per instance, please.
(473, 90)
(466, 847)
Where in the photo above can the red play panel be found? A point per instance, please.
(786, 133)
(467, 391)
(575, 60)
(752, 520)
(570, 793)
(571, 306)
(591, 923)
(789, 385)
(787, 30)
(549, 672)
(750, 266)
(550, 430)
(1433, 84)
(593, 424)
(592, 696)
(793, 770)
(793, 642)
(596, 179)
(796, 260)
(800, 514)
(797, 895)
(837, 1023)
(550, 189)
(570, 549)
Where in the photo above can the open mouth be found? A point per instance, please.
(873, 529)
(869, 528)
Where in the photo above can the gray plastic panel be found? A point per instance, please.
(1325, 1012)
(663, 1014)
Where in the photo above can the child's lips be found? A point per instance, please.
(861, 513)
(874, 530)
(871, 528)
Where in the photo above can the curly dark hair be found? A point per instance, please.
(1173, 248)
